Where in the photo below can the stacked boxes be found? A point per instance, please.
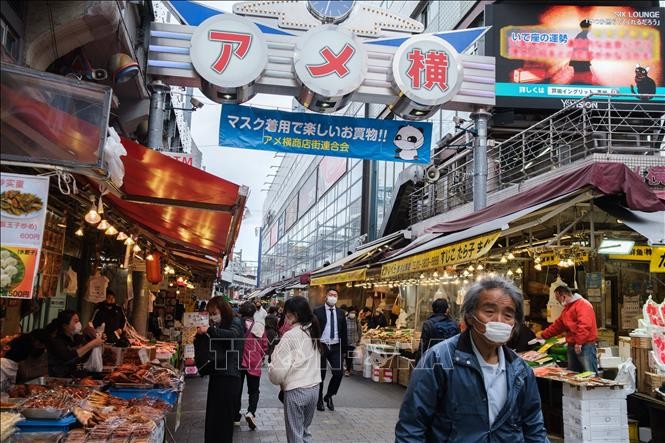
(594, 414)
(639, 352)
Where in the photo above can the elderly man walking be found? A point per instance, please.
(471, 387)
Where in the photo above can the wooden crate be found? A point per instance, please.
(653, 381)
(639, 353)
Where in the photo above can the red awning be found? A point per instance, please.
(182, 204)
(607, 178)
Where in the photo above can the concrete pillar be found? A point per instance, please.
(139, 317)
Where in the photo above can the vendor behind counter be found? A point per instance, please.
(24, 348)
(111, 316)
(69, 344)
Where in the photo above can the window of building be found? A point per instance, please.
(10, 40)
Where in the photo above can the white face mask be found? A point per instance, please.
(496, 331)
(216, 319)
(331, 300)
(78, 327)
(352, 316)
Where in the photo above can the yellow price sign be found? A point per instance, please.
(657, 263)
(461, 252)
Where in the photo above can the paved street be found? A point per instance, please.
(364, 412)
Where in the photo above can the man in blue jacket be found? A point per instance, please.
(471, 387)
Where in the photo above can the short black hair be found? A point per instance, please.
(247, 309)
(563, 289)
(585, 24)
(440, 306)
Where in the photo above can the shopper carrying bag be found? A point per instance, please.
(296, 368)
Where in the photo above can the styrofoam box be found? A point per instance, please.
(594, 392)
(584, 417)
(594, 433)
(577, 405)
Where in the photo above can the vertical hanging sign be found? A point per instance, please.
(22, 217)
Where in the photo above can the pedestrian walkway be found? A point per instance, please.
(364, 412)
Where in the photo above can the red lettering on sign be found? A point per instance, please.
(435, 65)
(232, 42)
(333, 62)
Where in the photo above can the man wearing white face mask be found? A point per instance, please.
(471, 387)
(334, 339)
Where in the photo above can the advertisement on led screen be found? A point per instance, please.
(549, 56)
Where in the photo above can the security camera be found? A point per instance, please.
(458, 120)
(196, 103)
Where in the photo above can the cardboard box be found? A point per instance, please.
(382, 375)
(653, 381)
(639, 353)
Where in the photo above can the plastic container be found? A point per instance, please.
(168, 395)
(60, 425)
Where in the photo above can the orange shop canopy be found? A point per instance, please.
(182, 204)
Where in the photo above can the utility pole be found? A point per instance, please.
(480, 117)
(156, 118)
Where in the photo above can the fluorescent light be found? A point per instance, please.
(619, 247)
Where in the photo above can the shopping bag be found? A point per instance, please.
(95, 362)
(626, 376)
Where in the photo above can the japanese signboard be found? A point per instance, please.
(638, 253)
(553, 259)
(461, 252)
(330, 135)
(549, 56)
(657, 263)
(427, 70)
(228, 50)
(340, 277)
(330, 61)
(23, 212)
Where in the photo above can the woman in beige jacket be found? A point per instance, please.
(296, 367)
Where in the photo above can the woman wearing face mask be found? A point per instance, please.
(354, 333)
(296, 368)
(69, 344)
(225, 334)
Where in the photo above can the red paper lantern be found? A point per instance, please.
(153, 268)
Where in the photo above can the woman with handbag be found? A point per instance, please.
(225, 335)
(296, 368)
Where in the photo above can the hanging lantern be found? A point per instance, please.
(92, 216)
(153, 268)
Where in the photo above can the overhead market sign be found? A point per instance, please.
(370, 56)
(456, 253)
(301, 133)
(340, 277)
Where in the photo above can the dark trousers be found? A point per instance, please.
(253, 383)
(220, 413)
(349, 357)
(332, 355)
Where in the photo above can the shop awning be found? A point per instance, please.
(605, 178)
(649, 224)
(469, 244)
(364, 254)
(339, 277)
(182, 204)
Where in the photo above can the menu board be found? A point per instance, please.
(23, 201)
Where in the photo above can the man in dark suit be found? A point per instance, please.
(334, 339)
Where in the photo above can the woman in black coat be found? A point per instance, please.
(225, 334)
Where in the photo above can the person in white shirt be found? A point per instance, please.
(296, 367)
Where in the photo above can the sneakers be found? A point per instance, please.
(347, 373)
(251, 420)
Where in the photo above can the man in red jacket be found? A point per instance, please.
(578, 321)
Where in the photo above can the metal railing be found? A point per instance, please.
(607, 124)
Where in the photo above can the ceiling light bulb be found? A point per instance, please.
(537, 260)
(511, 256)
(111, 231)
(503, 260)
(435, 275)
(103, 225)
(79, 232)
(561, 264)
(480, 267)
(92, 216)
(121, 236)
(149, 257)
(129, 241)
(100, 206)
(518, 270)
(510, 272)
(538, 267)
(471, 268)
(178, 291)
(136, 248)
(466, 273)
(422, 276)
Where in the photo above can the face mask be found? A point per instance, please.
(352, 316)
(216, 319)
(78, 327)
(331, 300)
(496, 331)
